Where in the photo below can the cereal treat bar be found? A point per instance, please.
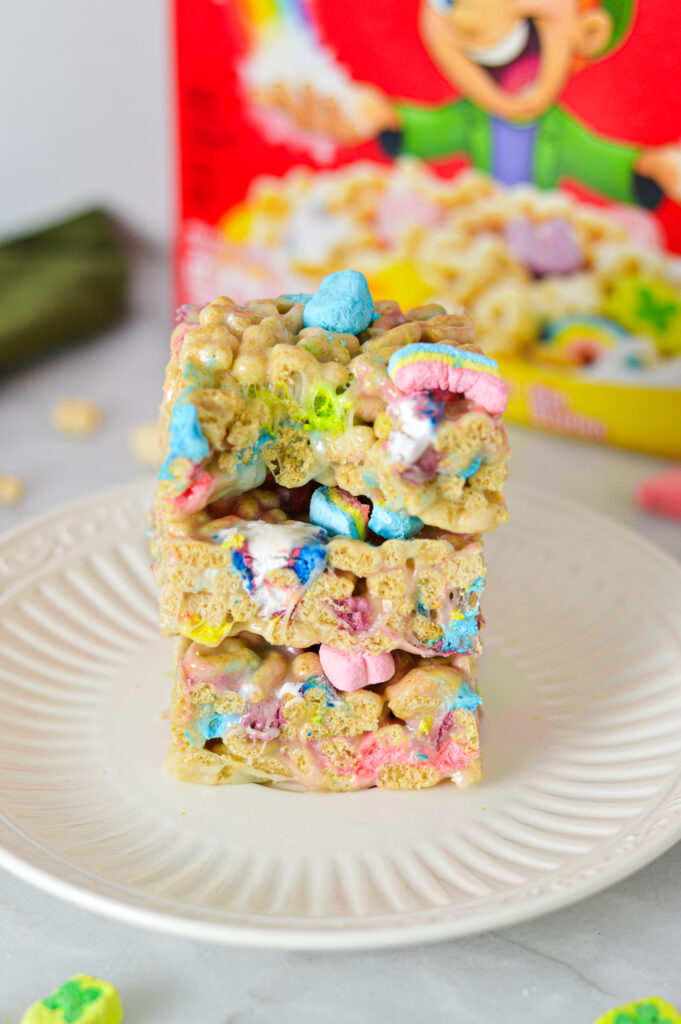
(295, 583)
(329, 466)
(244, 711)
(400, 408)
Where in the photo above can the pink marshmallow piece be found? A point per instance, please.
(177, 339)
(662, 493)
(196, 495)
(489, 392)
(348, 671)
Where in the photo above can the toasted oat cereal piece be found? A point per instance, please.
(246, 711)
(145, 442)
(76, 416)
(11, 489)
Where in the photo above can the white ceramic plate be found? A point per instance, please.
(582, 749)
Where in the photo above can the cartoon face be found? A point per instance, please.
(512, 57)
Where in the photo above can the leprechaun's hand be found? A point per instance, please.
(663, 165)
(366, 115)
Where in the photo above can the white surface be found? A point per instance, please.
(84, 109)
(563, 811)
(566, 967)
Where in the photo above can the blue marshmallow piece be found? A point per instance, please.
(186, 438)
(467, 698)
(342, 303)
(309, 562)
(393, 525)
(471, 469)
(461, 634)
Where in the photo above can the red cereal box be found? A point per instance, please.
(517, 157)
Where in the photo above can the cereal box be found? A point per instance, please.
(518, 157)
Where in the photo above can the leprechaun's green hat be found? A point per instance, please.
(621, 12)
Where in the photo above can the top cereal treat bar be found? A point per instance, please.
(403, 409)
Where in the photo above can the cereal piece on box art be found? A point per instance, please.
(545, 247)
(650, 306)
(579, 339)
(643, 1011)
(80, 1000)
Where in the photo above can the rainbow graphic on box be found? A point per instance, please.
(262, 18)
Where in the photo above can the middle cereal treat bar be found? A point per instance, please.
(400, 408)
(293, 584)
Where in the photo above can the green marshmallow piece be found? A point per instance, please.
(643, 1011)
(59, 285)
(80, 1000)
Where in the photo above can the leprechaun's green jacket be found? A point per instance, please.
(563, 148)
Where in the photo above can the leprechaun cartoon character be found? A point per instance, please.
(509, 60)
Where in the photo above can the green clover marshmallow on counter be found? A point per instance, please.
(80, 1000)
(643, 1011)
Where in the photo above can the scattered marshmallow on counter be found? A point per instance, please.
(76, 416)
(644, 1011)
(11, 489)
(662, 493)
(81, 1000)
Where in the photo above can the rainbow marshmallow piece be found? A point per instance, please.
(435, 367)
(338, 512)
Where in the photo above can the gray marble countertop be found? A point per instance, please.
(566, 968)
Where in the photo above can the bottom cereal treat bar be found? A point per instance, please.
(246, 711)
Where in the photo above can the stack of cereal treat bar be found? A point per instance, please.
(329, 466)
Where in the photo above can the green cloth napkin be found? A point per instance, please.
(58, 285)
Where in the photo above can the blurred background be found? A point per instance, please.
(87, 105)
(85, 109)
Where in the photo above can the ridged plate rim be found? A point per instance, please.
(661, 831)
